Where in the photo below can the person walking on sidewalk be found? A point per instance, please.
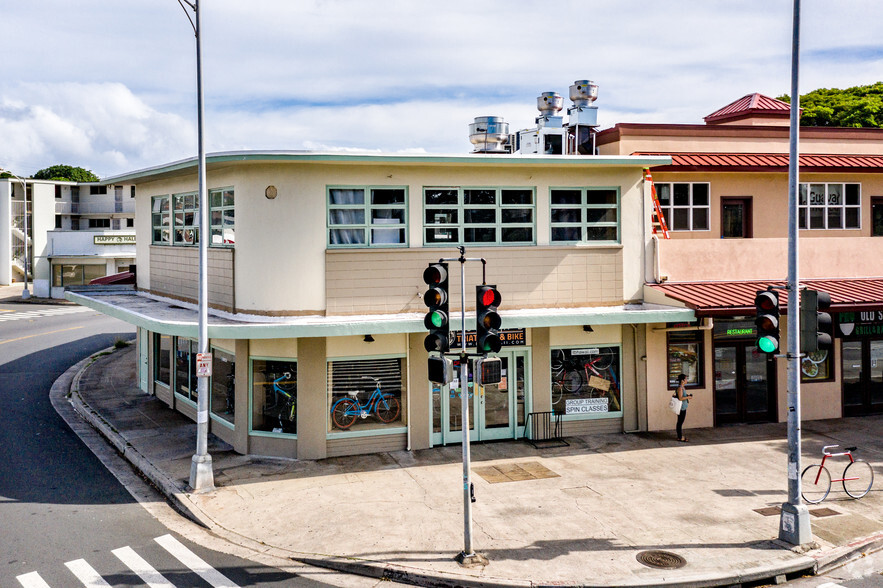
(683, 397)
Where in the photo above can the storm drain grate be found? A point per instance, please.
(663, 560)
(769, 511)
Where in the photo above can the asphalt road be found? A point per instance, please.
(65, 519)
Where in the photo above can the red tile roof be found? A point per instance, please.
(768, 162)
(748, 105)
(737, 298)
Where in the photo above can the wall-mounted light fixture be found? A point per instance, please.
(588, 329)
(368, 338)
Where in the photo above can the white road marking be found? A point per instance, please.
(86, 574)
(139, 565)
(32, 580)
(194, 562)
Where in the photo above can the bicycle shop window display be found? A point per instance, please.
(365, 395)
(185, 368)
(274, 396)
(586, 381)
(162, 369)
(222, 386)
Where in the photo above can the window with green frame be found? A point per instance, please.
(175, 218)
(365, 216)
(580, 215)
(479, 216)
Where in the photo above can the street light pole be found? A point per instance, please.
(25, 293)
(794, 525)
(201, 476)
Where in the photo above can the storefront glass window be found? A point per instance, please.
(586, 381)
(76, 275)
(222, 385)
(816, 366)
(185, 368)
(162, 367)
(274, 396)
(365, 395)
(685, 351)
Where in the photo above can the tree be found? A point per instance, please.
(66, 173)
(859, 106)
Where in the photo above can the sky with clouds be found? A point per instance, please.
(111, 85)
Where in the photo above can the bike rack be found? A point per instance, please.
(544, 427)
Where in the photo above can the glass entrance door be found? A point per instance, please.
(742, 390)
(495, 411)
(862, 377)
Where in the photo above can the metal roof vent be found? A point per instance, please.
(489, 134)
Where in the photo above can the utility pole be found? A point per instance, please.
(201, 475)
(794, 525)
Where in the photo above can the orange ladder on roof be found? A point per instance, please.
(657, 219)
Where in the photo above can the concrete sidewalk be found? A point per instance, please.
(577, 515)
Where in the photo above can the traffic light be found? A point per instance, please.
(767, 305)
(490, 370)
(436, 298)
(816, 327)
(487, 321)
(441, 369)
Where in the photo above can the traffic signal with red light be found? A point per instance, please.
(766, 304)
(436, 298)
(487, 321)
(816, 327)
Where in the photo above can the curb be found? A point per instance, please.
(66, 388)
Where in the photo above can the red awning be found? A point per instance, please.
(809, 162)
(737, 298)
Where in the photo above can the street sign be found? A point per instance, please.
(203, 365)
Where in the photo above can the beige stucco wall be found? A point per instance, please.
(280, 253)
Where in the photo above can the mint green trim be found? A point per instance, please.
(183, 398)
(218, 419)
(251, 430)
(461, 225)
(379, 324)
(367, 225)
(369, 433)
(478, 160)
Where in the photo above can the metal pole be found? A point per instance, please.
(201, 476)
(468, 552)
(794, 525)
(25, 293)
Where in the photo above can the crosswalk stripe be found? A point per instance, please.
(194, 562)
(86, 574)
(31, 580)
(139, 565)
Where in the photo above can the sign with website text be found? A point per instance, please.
(113, 239)
(508, 338)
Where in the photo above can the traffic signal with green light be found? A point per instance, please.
(766, 304)
(487, 321)
(436, 298)
(816, 327)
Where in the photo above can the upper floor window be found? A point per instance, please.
(829, 206)
(175, 219)
(97, 190)
(686, 206)
(584, 214)
(99, 223)
(367, 217)
(877, 217)
(479, 216)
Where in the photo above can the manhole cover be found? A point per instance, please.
(664, 560)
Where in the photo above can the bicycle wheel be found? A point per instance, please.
(343, 413)
(603, 362)
(858, 477)
(573, 381)
(557, 392)
(815, 483)
(387, 408)
(557, 362)
(290, 411)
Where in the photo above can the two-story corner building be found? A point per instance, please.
(316, 292)
(725, 198)
(76, 232)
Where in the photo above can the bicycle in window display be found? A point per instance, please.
(286, 388)
(383, 405)
(576, 376)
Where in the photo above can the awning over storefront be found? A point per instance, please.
(737, 298)
(177, 318)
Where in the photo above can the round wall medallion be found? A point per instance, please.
(270, 192)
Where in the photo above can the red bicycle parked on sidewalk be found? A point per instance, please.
(858, 477)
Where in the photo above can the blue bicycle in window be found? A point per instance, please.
(285, 400)
(383, 405)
